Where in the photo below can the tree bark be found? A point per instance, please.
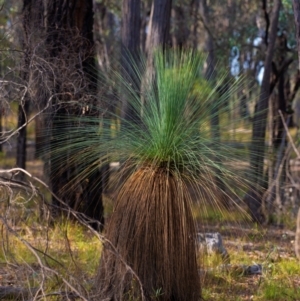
(180, 29)
(159, 27)
(257, 151)
(92, 196)
(70, 43)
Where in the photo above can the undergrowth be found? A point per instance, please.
(53, 260)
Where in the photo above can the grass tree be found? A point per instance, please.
(151, 245)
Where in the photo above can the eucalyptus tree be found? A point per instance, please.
(254, 197)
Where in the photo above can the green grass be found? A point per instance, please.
(68, 249)
(279, 282)
(211, 214)
(282, 289)
(74, 252)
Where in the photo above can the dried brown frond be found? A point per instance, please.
(152, 227)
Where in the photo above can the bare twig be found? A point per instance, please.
(288, 134)
(83, 220)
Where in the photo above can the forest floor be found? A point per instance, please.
(52, 260)
(270, 246)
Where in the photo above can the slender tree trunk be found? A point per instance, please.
(296, 5)
(92, 195)
(39, 137)
(159, 32)
(158, 35)
(130, 53)
(195, 24)
(254, 196)
(23, 109)
(37, 23)
(145, 13)
(210, 75)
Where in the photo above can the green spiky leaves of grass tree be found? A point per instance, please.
(171, 155)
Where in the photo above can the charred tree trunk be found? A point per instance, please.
(92, 197)
(70, 43)
(23, 109)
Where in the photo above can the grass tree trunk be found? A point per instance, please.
(152, 230)
(254, 196)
